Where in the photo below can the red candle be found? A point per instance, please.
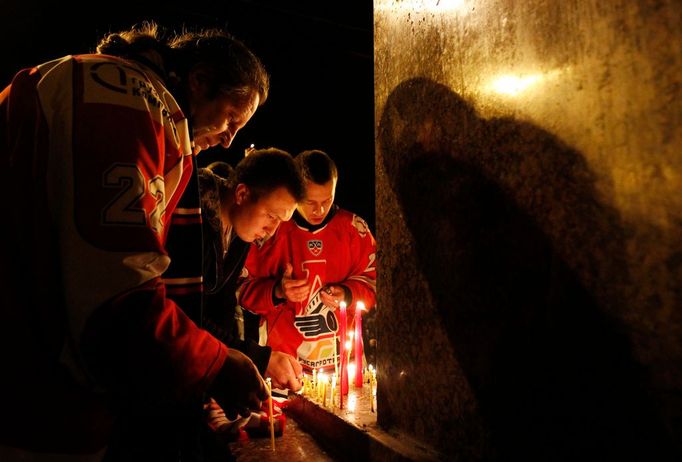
(344, 356)
(359, 307)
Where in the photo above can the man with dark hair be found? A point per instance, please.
(96, 152)
(245, 207)
(247, 204)
(296, 279)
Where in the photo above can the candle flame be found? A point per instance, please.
(351, 371)
(342, 305)
(360, 306)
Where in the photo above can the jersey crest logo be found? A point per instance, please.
(360, 225)
(315, 247)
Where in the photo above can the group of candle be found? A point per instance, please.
(319, 385)
(343, 369)
(323, 388)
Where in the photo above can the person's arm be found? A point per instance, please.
(143, 343)
(256, 291)
(360, 285)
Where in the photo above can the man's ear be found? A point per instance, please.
(241, 194)
(197, 81)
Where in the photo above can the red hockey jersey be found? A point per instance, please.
(95, 153)
(341, 252)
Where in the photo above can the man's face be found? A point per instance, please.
(318, 200)
(217, 120)
(259, 219)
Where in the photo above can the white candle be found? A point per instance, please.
(272, 418)
(333, 397)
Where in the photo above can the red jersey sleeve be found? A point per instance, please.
(362, 247)
(262, 271)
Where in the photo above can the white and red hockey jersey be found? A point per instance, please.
(95, 154)
(340, 252)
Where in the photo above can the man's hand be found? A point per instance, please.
(294, 290)
(284, 371)
(238, 388)
(332, 295)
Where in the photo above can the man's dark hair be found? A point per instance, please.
(316, 166)
(230, 67)
(222, 169)
(265, 170)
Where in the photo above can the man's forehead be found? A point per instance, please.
(320, 190)
(279, 197)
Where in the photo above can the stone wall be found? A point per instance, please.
(529, 222)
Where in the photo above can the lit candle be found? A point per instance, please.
(322, 381)
(336, 363)
(359, 307)
(333, 397)
(370, 368)
(272, 418)
(314, 391)
(318, 387)
(344, 362)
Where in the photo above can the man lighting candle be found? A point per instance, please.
(298, 278)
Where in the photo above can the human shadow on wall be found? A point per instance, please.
(526, 266)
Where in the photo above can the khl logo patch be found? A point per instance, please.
(315, 247)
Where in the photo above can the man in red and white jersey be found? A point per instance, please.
(297, 278)
(96, 156)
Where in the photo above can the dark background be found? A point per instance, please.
(318, 54)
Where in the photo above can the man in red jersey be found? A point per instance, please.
(96, 155)
(297, 279)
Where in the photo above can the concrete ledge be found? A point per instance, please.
(355, 436)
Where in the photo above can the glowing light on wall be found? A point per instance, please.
(431, 6)
(512, 85)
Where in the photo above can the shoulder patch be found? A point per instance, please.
(360, 225)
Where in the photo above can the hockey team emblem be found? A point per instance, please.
(315, 247)
(360, 225)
